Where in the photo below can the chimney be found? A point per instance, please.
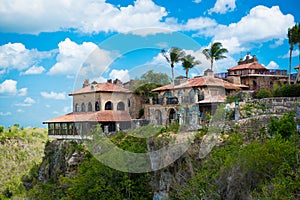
(86, 83)
(109, 81)
(209, 73)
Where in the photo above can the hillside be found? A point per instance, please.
(21, 149)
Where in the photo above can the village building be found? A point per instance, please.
(107, 104)
(254, 75)
(187, 101)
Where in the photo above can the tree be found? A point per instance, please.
(188, 62)
(292, 37)
(174, 55)
(215, 52)
(155, 78)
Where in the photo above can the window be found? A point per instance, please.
(120, 106)
(77, 107)
(90, 107)
(97, 107)
(128, 102)
(167, 94)
(82, 107)
(192, 96)
(108, 105)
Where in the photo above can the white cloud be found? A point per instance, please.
(84, 15)
(10, 87)
(54, 95)
(272, 65)
(85, 58)
(29, 100)
(5, 114)
(34, 70)
(222, 6)
(67, 109)
(295, 53)
(22, 92)
(122, 75)
(200, 23)
(197, 1)
(16, 56)
(20, 110)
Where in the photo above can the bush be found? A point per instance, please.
(285, 126)
(287, 91)
(262, 93)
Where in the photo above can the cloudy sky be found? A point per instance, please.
(47, 48)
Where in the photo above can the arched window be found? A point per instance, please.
(90, 107)
(128, 102)
(120, 106)
(192, 96)
(97, 107)
(82, 107)
(77, 107)
(167, 94)
(108, 105)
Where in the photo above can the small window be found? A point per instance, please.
(90, 107)
(82, 107)
(120, 106)
(108, 105)
(97, 107)
(128, 102)
(192, 96)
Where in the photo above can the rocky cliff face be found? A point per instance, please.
(62, 158)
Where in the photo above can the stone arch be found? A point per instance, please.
(97, 106)
(82, 107)
(77, 107)
(158, 117)
(120, 106)
(171, 115)
(90, 107)
(108, 106)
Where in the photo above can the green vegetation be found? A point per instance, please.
(285, 126)
(21, 149)
(261, 169)
(214, 52)
(283, 91)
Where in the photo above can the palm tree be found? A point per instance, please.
(292, 37)
(188, 62)
(297, 41)
(215, 52)
(174, 55)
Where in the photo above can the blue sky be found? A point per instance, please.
(47, 48)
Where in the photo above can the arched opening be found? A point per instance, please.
(192, 96)
(77, 108)
(120, 106)
(82, 107)
(158, 117)
(167, 94)
(172, 115)
(254, 85)
(97, 106)
(128, 102)
(108, 105)
(200, 95)
(90, 107)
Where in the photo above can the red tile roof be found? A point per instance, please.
(253, 65)
(101, 87)
(99, 116)
(200, 82)
(297, 67)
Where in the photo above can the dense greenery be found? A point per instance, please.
(261, 169)
(21, 149)
(283, 91)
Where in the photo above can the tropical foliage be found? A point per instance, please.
(174, 55)
(215, 52)
(188, 62)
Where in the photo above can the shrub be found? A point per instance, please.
(262, 93)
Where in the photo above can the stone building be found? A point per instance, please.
(188, 100)
(106, 103)
(254, 75)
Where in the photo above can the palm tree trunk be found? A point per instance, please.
(187, 73)
(172, 67)
(290, 66)
(211, 64)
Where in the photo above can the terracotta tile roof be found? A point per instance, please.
(297, 67)
(163, 88)
(200, 82)
(253, 65)
(214, 99)
(99, 116)
(101, 87)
